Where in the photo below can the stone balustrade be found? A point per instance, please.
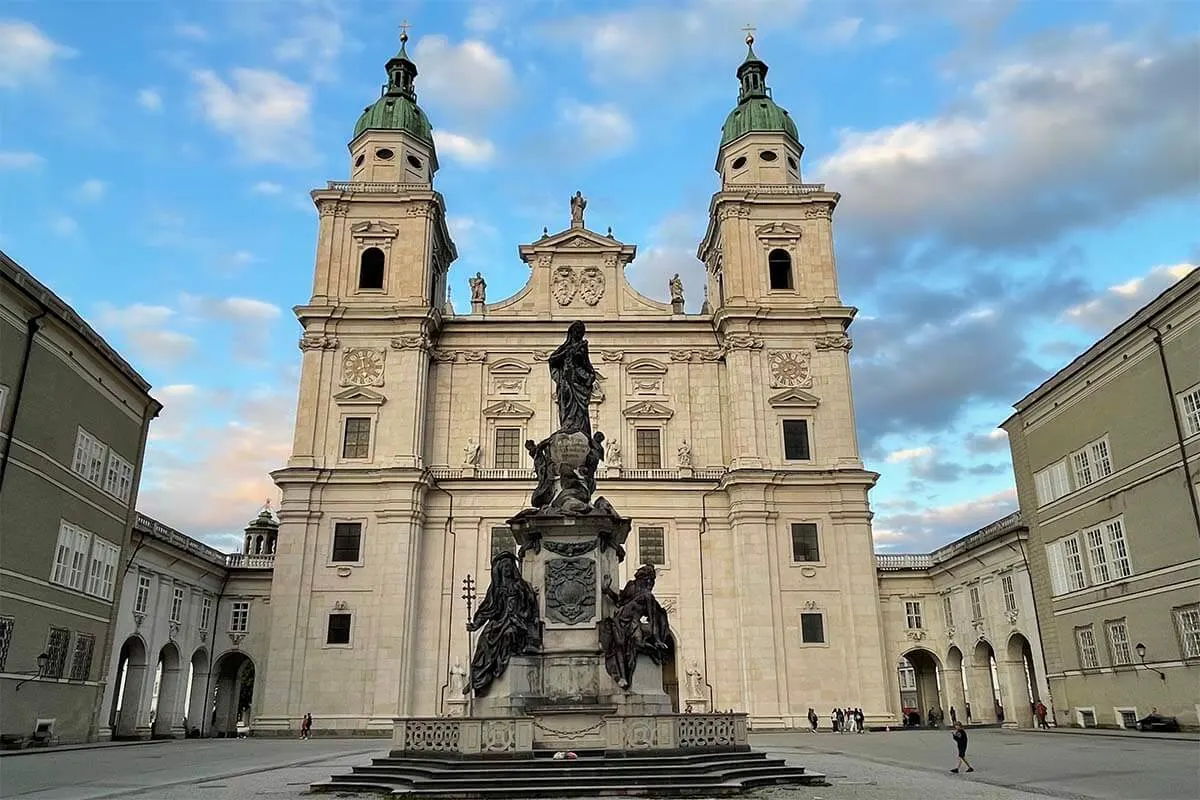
(611, 473)
(903, 561)
(243, 561)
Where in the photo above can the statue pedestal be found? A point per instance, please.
(677, 306)
(476, 306)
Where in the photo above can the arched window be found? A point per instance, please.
(780, 264)
(370, 269)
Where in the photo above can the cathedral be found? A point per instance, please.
(730, 439)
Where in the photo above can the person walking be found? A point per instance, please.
(306, 727)
(859, 719)
(812, 720)
(960, 739)
(953, 716)
(838, 720)
(968, 713)
(1039, 711)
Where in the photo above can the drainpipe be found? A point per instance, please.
(703, 610)
(32, 327)
(1187, 470)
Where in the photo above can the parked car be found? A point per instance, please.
(1157, 723)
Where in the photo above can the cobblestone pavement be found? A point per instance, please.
(877, 766)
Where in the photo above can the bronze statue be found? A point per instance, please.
(544, 493)
(511, 626)
(574, 377)
(638, 625)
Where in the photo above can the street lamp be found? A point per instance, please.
(43, 661)
(1141, 651)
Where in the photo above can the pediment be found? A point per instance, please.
(509, 366)
(794, 398)
(374, 229)
(646, 366)
(577, 240)
(778, 229)
(359, 396)
(647, 409)
(509, 410)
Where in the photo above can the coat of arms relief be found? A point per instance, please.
(586, 283)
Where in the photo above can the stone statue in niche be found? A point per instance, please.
(574, 377)
(458, 678)
(638, 626)
(613, 457)
(478, 288)
(578, 204)
(676, 287)
(508, 617)
(695, 680)
(471, 453)
(684, 454)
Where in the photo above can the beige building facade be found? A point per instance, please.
(1107, 461)
(731, 439)
(73, 423)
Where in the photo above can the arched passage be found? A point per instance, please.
(1019, 679)
(234, 693)
(925, 684)
(131, 676)
(954, 685)
(670, 673)
(167, 705)
(193, 711)
(983, 686)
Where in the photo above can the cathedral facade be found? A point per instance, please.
(730, 439)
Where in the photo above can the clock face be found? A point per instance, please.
(362, 367)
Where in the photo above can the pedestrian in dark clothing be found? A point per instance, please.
(812, 720)
(968, 712)
(960, 739)
(953, 716)
(306, 727)
(1039, 711)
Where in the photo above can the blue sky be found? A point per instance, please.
(1016, 178)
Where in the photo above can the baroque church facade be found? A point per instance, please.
(731, 440)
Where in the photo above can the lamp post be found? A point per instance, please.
(43, 661)
(1141, 651)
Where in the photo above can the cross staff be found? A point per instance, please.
(749, 29)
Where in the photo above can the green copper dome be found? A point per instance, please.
(755, 111)
(397, 109)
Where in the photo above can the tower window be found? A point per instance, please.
(768, 155)
(792, 163)
(358, 162)
(415, 162)
(780, 264)
(383, 154)
(739, 162)
(370, 269)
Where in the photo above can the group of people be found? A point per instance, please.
(845, 720)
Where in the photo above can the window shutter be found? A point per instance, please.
(1058, 568)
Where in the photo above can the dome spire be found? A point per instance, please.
(752, 72)
(401, 70)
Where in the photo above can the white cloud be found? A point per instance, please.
(842, 31)
(149, 99)
(484, 18)
(1068, 130)
(20, 159)
(137, 315)
(896, 456)
(671, 248)
(1116, 303)
(192, 32)
(315, 39)
(143, 327)
(240, 258)
(26, 54)
(596, 130)
(64, 226)
(470, 77)
(927, 529)
(266, 187)
(250, 321)
(267, 115)
(90, 191)
(465, 149)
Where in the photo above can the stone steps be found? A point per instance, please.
(668, 775)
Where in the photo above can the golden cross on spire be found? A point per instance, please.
(749, 29)
(404, 26)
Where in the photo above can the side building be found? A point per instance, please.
(1107, 461)
(73, 423)
(961, 626)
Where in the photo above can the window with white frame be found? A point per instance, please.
(57, 644)
(508, 449)
(177, 605)
(142, 598)
(1107, 552)
(338, 631)
(89, 457)
(239, 616)
(812, 627)
(806, 542)
(118, 478)
(1091, 462)
(1066, 565)
(1086, 639)
(347, 542)
(648, 443)
(70, 556)
(102, 574)
(907, 675)
(1010, 593)
(1052, 482)
(356, 438)
(652, 546)
(1118, 642)
(81, 660)
(976, 603)
(948, 610)
(1187, 622)
(912, 614)
(1189, 410)
(205, 613)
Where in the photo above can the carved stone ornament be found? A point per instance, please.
(610, 260)
(443, 355)
(612, 355)
(818, 211)
(541, 355)
(318, 341)
(836, 341)
(916, 635)
(412, 341)
(563, 285)
(697, 355)
(362, 366)
(544, 260)
(740, 341)
(591, 285)
(236, 638)
(138, 618)
(372, 230)
(172, 629)
(790, 369)
(1011, 616)
(570, 590)
(340, 605)
(571, 549)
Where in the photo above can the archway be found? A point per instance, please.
(167, 706)
(127, 699)
(988, 705)
(670, 672)
(1019, 679)
(234, 693)
(955, 684)
(925, 684)
(193, 712)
